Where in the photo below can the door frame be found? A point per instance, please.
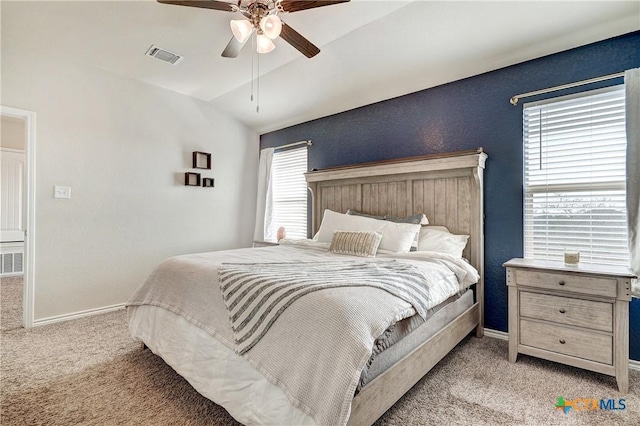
(28, 298)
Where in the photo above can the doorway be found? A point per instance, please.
(18, 222)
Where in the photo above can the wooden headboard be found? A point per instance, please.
(448, 188)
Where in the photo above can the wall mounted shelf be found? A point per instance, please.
(191, 179)
(201, 160)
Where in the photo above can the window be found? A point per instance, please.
(290, 192)
(574, 177)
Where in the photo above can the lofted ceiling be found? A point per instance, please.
(371, 50)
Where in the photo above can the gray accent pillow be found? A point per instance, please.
(363, 244)
(416, 219)
(357, 213)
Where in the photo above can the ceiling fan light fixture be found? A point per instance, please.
(271, 26)
(265, 45)
(241, 29)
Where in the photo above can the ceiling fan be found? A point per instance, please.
(262, 17)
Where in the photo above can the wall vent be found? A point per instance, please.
(164, 55)
(11, 264)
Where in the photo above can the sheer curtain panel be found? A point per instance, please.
(264, 203)
(632, 87)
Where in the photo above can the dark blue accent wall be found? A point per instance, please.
(466, 114)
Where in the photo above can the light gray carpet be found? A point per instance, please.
(90, 372)
(10, 303)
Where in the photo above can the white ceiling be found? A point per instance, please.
(371, 50)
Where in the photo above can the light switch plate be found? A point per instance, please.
(61, 191)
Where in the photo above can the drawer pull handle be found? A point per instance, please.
(561, 283)
(562, 341)
(562, 311)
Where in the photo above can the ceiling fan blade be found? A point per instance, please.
(298, 5)
(233, 48)
(204, 4)
(296, 40)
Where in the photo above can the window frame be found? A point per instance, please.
(297, 201)
(573, 189)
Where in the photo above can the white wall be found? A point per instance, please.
(123, 147)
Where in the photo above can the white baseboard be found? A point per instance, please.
(76, 315)
(495, 334)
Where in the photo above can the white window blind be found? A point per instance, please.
(574, 177)
(290, 192)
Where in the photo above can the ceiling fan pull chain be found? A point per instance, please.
(253, 50)
(258, 86)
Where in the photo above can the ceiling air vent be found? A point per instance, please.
(163, 55)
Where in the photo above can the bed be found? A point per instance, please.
(256, 379)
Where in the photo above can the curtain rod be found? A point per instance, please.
(308, 143)
(514, 100)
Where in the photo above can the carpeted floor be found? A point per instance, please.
(10, 303)
(90, 372)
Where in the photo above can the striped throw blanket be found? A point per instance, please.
(256, 294)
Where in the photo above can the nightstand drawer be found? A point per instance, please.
(579, 343)
(595, 286)
(567, 311)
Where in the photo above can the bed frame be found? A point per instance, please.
(448, 188)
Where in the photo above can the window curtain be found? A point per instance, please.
(264, 204)
(632, 88)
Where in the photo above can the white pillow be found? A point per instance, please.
(437, 227)
(333, 221)
(441, 241)
(414, 245)
(396, 237)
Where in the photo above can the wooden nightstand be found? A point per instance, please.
(575, 315)
(257, 243)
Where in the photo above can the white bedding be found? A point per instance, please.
(323, 398)
(213, 369)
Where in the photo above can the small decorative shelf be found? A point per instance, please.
(208, 182)
(201, 160)
(191, 179)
